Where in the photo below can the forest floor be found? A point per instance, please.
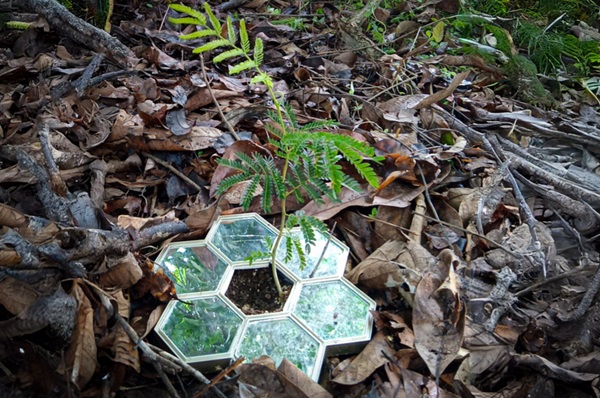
(479, 247)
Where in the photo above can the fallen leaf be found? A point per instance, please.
(81, 355)
(439, 315)
(369, 360)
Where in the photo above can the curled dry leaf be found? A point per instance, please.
(298, 378)
(124, 273)
(439, 315)
(124, 349)
(81, 355)
(371, 358)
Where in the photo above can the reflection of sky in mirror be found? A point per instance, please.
(237, 239)
(332, 263)
(279, 339)
(206, 327)
(332, 310)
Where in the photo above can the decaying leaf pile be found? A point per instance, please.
(479, 245)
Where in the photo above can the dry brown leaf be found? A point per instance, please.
(81, 355)
(369, 360)
(393, 264)
(439, 315)
(297, 377)
(123, 348)
(16, 296)
(122, 274)
(260, 381)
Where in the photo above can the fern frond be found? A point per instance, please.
(267, 197)
(354, 152)
(189, 11)
(317, 188)
(235, 52)
(258, 51)
(273, 171)
(319, 125)
(231, 31)
(213, 19)
(230, 181)
(244, 41)
(199, 34)
(250, 192)
(300, 251)
(242, 66)
(233, 164)
(310, 238)
(211, 45)
(351, 183)
(291, 115)
(289, 249)
(186, 21)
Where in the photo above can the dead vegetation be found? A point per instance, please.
(480, 245)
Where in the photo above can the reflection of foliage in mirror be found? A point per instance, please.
(321, 260)
(332, 310)
(238, 238)
(280, 339)
(194, 269)
(207, 326)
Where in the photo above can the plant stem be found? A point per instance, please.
(280, 235)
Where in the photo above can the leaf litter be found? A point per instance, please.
(479, 245)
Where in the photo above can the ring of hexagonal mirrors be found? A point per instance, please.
(324, 313)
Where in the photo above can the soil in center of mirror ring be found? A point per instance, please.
(253, 291)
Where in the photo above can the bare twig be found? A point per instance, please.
(215, 101)
(174, 170)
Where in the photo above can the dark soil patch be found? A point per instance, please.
(254, 291)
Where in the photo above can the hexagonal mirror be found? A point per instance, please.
(235, 237)
(193, 267)
(200, 326)
(282, 338)
(326, 258)
(335, 310)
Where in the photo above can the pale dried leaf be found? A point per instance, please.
(81, 355)
(438, 315)
(369, 360)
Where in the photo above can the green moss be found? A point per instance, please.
(522, 76)
(503, 39)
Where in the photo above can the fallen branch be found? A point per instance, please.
(76, 29)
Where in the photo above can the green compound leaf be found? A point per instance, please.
(235, 52)
(186, 21)
(231, 31)
(289, 249)
(213, 19)
(250, 191)
(242, 66)
(245, 42)
(199, 34)
(301, 254)
(230, 181)
(267, 197)
(197, 15)
(258, 51)
(211, 46)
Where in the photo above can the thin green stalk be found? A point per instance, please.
(279, 236)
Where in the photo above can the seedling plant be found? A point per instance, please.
(309, 158)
